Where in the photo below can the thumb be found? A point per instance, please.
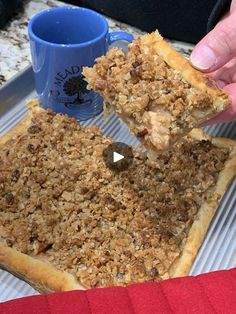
(217, 47)
(230, 113)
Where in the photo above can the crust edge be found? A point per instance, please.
(176, 61)
(198, 231)
(33, 104)
(39, 274)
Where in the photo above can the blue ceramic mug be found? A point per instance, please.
(62, 41)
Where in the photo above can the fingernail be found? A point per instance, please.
(203, 58)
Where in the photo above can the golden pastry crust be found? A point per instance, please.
(40, 272)
(183, 264)
(155, 90)
(176, 61)
(33, 106)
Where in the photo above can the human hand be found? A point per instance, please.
(215, 54)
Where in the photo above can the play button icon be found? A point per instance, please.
(118, 156)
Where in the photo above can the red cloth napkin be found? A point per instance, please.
(214, 292)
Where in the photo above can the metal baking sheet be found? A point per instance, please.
(218, 250)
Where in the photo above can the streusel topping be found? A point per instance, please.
(59, 201)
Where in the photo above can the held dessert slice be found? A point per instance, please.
(155, 91)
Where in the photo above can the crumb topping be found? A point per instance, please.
(148, 94)
(59, 201)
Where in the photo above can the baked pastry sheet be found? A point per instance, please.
(37, 269)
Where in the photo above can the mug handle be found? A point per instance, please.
(115, 36)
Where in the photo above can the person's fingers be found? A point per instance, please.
(233, 6)
(230, 113)
(225, 75)
(217, 47)
(221, 83)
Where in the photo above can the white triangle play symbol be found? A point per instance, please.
(117, 157)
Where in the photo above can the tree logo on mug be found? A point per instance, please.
(76, 86)
(71, 88)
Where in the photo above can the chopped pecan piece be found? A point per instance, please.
(16, 174)
(2, 178)
(9, 198)
(33, 129)
(142, 133)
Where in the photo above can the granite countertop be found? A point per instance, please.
(14, 44)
